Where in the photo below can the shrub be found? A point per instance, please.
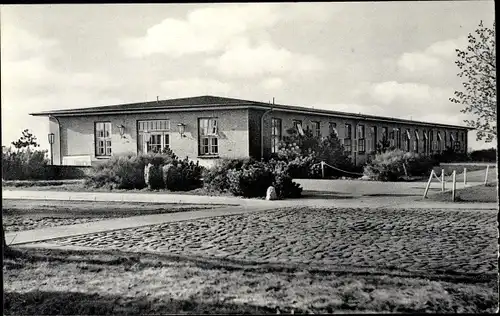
(24, 164)
(215, 178)
(250, 181)
(390, 165)
(484, 155)
(184, 175)
(283, 182)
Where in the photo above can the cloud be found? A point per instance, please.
(194, 86)
(272, 83)
(392, 92)
(209, 30)
(265, 59)
(433, 58)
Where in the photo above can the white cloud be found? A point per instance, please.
(194, 86)
(265, 59)
(433, 58)
(273, 83)
(209, 30)
(392, 92)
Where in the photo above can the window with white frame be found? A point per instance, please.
(374, 138)
(275, 134)
(153, 135)
(348, 138)
(315, 128)
(397, 136)
(415, 141)
(209, 136)
(439, 141)
(332, 128)
(297, 125)
(426, 142)
(407, 140)
(361, 139)
(102, 139)
(384, 134)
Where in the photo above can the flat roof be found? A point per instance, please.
(214, 103)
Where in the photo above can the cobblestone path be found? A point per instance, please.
(415, 240)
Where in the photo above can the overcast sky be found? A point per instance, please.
(383, 58)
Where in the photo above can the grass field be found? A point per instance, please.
(477, 194)
(48, 282)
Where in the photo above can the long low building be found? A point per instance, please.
(207, 128)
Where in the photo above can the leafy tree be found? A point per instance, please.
(477, 66)
(383, 146)
(26, 140)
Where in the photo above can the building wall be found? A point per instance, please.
(78, 141)
(357, 157)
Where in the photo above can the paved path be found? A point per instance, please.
(29, 236)
(418, 240)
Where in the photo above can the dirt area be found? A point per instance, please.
(40, 282)
(18, 215)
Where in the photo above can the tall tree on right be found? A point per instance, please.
(477, 64)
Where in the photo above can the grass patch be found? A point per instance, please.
(42, 281)
(477, 194)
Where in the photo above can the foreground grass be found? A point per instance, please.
(477, 194)
(40, 281)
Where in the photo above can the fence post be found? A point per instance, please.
(442, 180)
(465, 177)
(486, 175)
(453, 186)
(428, 184)
(322, 169)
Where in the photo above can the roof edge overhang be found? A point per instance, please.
(213, 107)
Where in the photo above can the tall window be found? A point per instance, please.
(432, 144)
(397, 136)
(102, 139)
(426, 142)
(361, 139)
(315, 127)
(374, 136)
(153, 135)
(384, 134)
(415, 141)
(348, 138)
(439, 141)
(275, 134)
(332, 128)
(297, 124)
(407, 140)
(445, 141)
(209, 136)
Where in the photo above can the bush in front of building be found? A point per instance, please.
(24, 164)
(127, 172)
(215, 178)
(484, 155)
(251, 180)
(395, 165)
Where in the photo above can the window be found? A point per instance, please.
(209, 136)
(426, 143)
(397, 136)
(153, 136)
(348, 138)
(415, 141)
(332, 128)
(374, 136)
(275, 134)
(432, 144)
(384, 134)
(407, 140)
(297, 124)
(361, 138)
(439, 141)
(315, 126)
(102, 139)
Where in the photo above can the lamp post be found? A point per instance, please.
(51, 142)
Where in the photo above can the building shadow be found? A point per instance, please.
(325, 195)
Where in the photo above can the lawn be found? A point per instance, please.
(20, 215)
(473, 194)
(48, 282)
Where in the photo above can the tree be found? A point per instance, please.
(26, 140)
(477, 66)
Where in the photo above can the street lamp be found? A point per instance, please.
(51, 142)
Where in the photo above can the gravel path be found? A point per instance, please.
(448, 241)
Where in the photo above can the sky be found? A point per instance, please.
(383, 58)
